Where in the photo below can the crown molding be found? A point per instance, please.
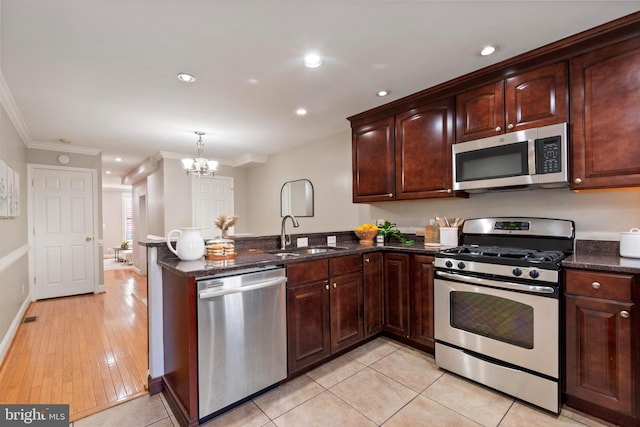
(250, 159)
(51, 146)
(9, 104)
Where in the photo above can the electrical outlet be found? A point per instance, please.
(331, 240)
(302, 242)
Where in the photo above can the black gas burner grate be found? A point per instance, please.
(528, 255)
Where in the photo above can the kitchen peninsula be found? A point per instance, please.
(402, 275)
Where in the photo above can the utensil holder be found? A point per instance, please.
(449, 236)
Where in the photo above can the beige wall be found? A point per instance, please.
(15, 277)
(112, 224)
(327, 163)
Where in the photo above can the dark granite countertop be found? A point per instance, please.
(261, 258)
(601, 255)
(612, 263)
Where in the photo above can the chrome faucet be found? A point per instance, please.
(285, 240)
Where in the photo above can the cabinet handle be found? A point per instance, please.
(577, 181)
(367, 260)
(449, 191)
(510, 126)
(327, 287)
(625, 314)
(335, 286)
(595, 285)
(390, 195)
(498, 129)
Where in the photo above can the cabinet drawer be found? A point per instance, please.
(308, 271)
(599, 285)
(345, 264)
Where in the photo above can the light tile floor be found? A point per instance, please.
(381, 383)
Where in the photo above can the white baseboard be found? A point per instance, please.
(11, 333)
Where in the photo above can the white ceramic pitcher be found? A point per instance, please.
(190, 245)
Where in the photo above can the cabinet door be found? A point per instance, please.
(598, 353)
(347, 326)
(373, 294)
(605, 94)
(308, 325)
(373, 161)
(422, 301)
(396, 294)
(480, 112)
(536, 98)
(424, 136)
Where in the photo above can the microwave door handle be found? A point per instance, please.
(496, 284)
(531, 160)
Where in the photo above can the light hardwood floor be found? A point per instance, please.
(89, 351)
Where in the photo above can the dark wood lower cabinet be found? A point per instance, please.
(180, 379)
(601, 321)
(396, 294)
(373, 294)
(422, 302)
(324, 309)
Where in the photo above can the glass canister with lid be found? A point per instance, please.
(220, 248)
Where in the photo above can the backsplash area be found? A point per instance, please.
(597, 215)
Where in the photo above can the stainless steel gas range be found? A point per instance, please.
(497, 305)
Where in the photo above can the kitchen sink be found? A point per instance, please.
(307, 250)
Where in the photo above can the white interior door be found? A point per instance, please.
(212, 197)
(63, 220)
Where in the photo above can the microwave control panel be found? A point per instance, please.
(548, 155)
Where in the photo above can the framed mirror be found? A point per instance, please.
(296, 198)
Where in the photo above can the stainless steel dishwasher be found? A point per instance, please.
(242, 346)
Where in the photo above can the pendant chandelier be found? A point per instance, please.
(200, 166)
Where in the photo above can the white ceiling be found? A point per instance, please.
(102, 73)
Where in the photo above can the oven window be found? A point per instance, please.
(495, 162)
(494, 317)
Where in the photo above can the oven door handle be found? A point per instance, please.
(496, 284)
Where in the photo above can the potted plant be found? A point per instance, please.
(124, 245)
(389, 229)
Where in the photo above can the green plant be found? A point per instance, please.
(389, 229)
(124, 244)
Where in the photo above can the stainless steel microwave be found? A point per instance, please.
(531, 158)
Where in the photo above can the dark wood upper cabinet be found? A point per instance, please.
(480, 112)
(424, 136)
(531, 99)
(373, 158)
(605, 95)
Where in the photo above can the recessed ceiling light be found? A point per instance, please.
(118, 159)
(108, 172)
(301, 111)
(383, 93)
(253, 81)
(487, 50)
(186, 77)
(312, 60)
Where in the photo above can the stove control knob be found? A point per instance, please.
(517, 272)
(461, 265)
(534, 274)
(448, 264)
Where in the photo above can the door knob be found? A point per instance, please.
(498, 129)
(335, 286)
(577, 180)
(88, 239)
(624, 313)
(510, 126)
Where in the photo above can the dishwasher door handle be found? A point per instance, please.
(206, 294)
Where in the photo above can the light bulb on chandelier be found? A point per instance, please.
(200, 166)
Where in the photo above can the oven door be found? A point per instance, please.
(517, 327)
